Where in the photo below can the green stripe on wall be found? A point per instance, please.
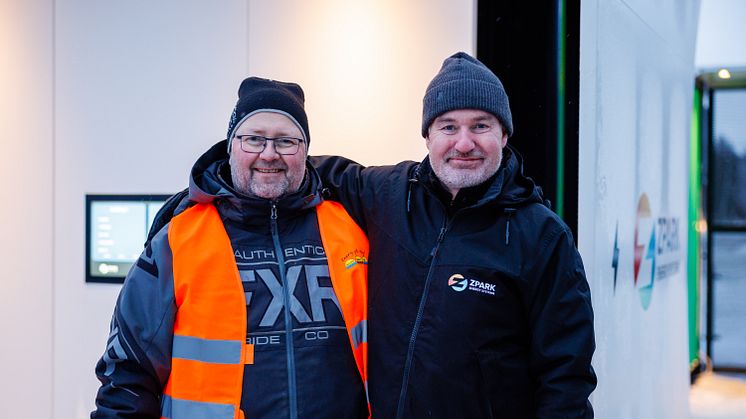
(561, 57)
(694, 257)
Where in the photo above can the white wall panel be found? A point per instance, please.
(721, 34)
(636, 86)
(670, 21)
(27, 149)
(364, 66)
(142, 88)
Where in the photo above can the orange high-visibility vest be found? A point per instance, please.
(209, 344)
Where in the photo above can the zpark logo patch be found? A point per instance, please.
(458, 283)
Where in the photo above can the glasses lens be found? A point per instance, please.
(286, 145)
(252, 143)
(257, 144)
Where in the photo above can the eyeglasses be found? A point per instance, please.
(285, 146)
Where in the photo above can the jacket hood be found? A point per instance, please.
(509, 186)
(209, 181)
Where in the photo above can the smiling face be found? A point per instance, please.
(465, 147)
(267, 174)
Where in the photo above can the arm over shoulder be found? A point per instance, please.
(344, 180)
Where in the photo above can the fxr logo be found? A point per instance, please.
(317, 293)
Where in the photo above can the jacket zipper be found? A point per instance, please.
(293, 399)
(418, 320)
(508, 212)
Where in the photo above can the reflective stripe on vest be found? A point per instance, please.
(188, 409)
(209, 349)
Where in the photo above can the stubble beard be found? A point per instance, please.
(243, 183)
(454, 178)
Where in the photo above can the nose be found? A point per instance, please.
(464, 142)
(269, 152)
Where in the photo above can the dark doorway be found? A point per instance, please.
(724, 180)
(533, 47)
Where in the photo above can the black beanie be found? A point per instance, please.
(263, 95)
(465, 83)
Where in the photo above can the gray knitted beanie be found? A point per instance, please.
(465, 83)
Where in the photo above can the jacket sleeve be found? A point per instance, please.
(137, 360)
(344, 179)
(562, 336)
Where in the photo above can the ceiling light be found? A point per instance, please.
(724, 73)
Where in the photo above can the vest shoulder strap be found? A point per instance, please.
(347, 249)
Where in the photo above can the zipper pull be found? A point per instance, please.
(409, 193)
(273, 214)
(508, 212)
(442, 233)
(437, 242)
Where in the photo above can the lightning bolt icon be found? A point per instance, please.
(651, 255)
(615, 257)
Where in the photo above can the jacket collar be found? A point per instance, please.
(507, 187)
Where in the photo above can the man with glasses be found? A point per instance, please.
(252, 300)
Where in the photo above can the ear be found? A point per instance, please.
(504, 140)
(427, 141)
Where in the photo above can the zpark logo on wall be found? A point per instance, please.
(656, 250)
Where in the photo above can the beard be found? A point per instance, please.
(246, 183)
(454, 178)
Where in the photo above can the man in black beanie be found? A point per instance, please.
(479, 306)
(251, 300)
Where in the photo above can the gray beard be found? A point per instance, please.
(459, 179)
(243, 184)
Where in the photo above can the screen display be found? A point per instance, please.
(117, 227)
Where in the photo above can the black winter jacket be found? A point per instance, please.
(477, 312)
(303, 366)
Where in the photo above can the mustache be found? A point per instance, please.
(456, 154)
(273, 165)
